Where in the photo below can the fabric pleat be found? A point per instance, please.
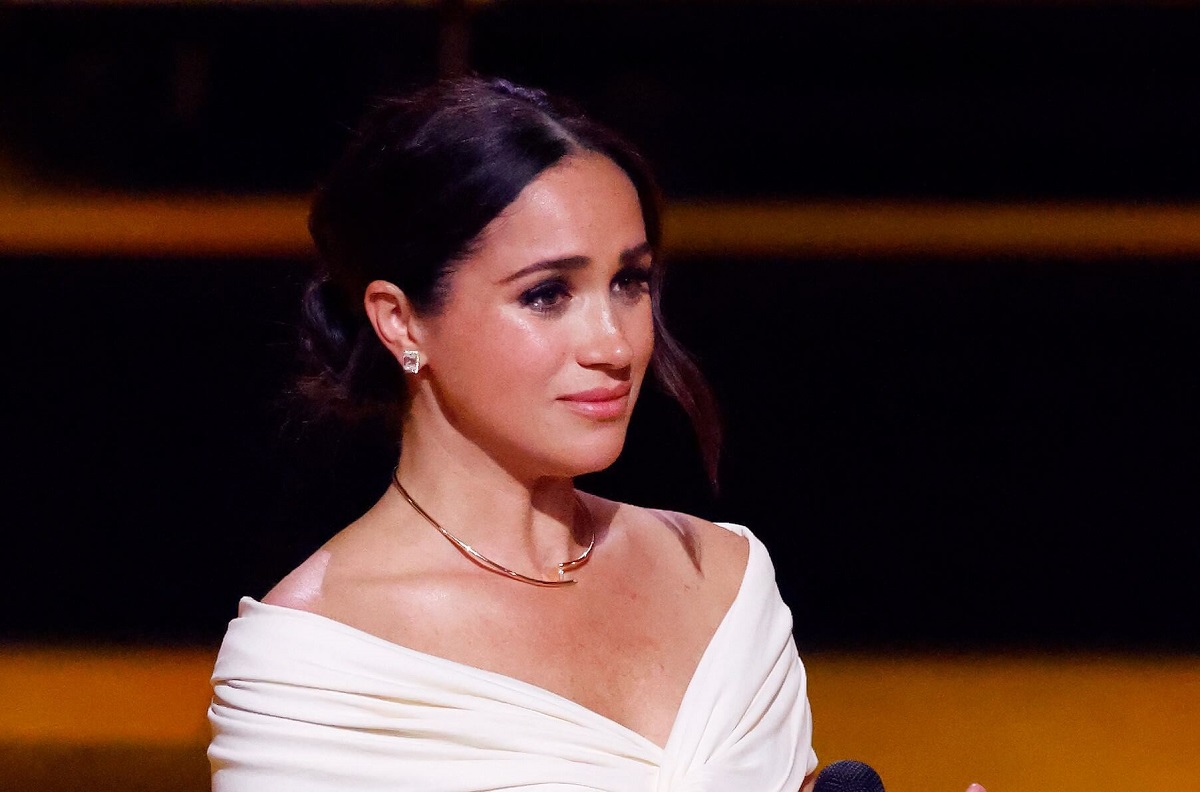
(303, 703)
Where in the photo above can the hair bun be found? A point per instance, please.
(533, 95)
(329, 327)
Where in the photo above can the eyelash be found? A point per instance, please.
(548, 296)
(638, 277)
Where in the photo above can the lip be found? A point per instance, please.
(599, 403)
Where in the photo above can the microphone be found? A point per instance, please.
(848, 775)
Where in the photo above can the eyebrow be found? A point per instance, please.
(628, 257)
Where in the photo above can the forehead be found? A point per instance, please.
(584, 205)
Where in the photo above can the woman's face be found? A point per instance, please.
(540, 351)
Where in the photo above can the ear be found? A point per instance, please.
(392, 316)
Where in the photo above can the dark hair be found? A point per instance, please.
(423, 175)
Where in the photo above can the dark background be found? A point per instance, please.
(994, 453)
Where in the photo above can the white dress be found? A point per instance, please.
(303, 703)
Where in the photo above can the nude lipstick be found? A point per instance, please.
(601, 404)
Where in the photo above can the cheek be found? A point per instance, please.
(641, 336)
(508, 353)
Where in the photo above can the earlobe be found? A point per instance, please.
(392, 318)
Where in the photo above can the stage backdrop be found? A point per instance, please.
(990, 446)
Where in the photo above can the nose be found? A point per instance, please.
(603, 341)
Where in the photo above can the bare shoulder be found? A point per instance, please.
(715, 554)
(301, 588)
(719, 554)
(346, 566)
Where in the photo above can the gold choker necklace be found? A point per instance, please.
(489, 564)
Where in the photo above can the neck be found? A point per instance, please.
(522, 522)
(562, 572)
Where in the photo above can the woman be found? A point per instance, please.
(491, 279)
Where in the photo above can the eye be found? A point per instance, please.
(546, 296)
(632, 282)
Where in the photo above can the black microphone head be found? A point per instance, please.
(848, 776)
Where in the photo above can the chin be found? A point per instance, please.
(591, 458)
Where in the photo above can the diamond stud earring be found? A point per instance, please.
(411, 361)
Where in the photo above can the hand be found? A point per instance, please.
(976, 788)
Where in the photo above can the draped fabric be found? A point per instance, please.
(303, 703)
